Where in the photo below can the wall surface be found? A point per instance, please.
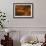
(39, 13)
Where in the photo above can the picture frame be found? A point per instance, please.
(22, 10)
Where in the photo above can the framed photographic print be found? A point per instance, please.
(22, 10)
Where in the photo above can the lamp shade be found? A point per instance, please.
(7, 30)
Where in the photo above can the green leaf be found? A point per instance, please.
(2, 26)
(0, 15)
(4, 13)
(0, 21)
(4, 16)
(3, 19)
(0, 12)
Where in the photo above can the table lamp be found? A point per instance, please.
(7, 31)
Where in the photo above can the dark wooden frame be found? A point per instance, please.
(14, 4)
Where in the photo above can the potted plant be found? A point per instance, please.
(2, 19)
